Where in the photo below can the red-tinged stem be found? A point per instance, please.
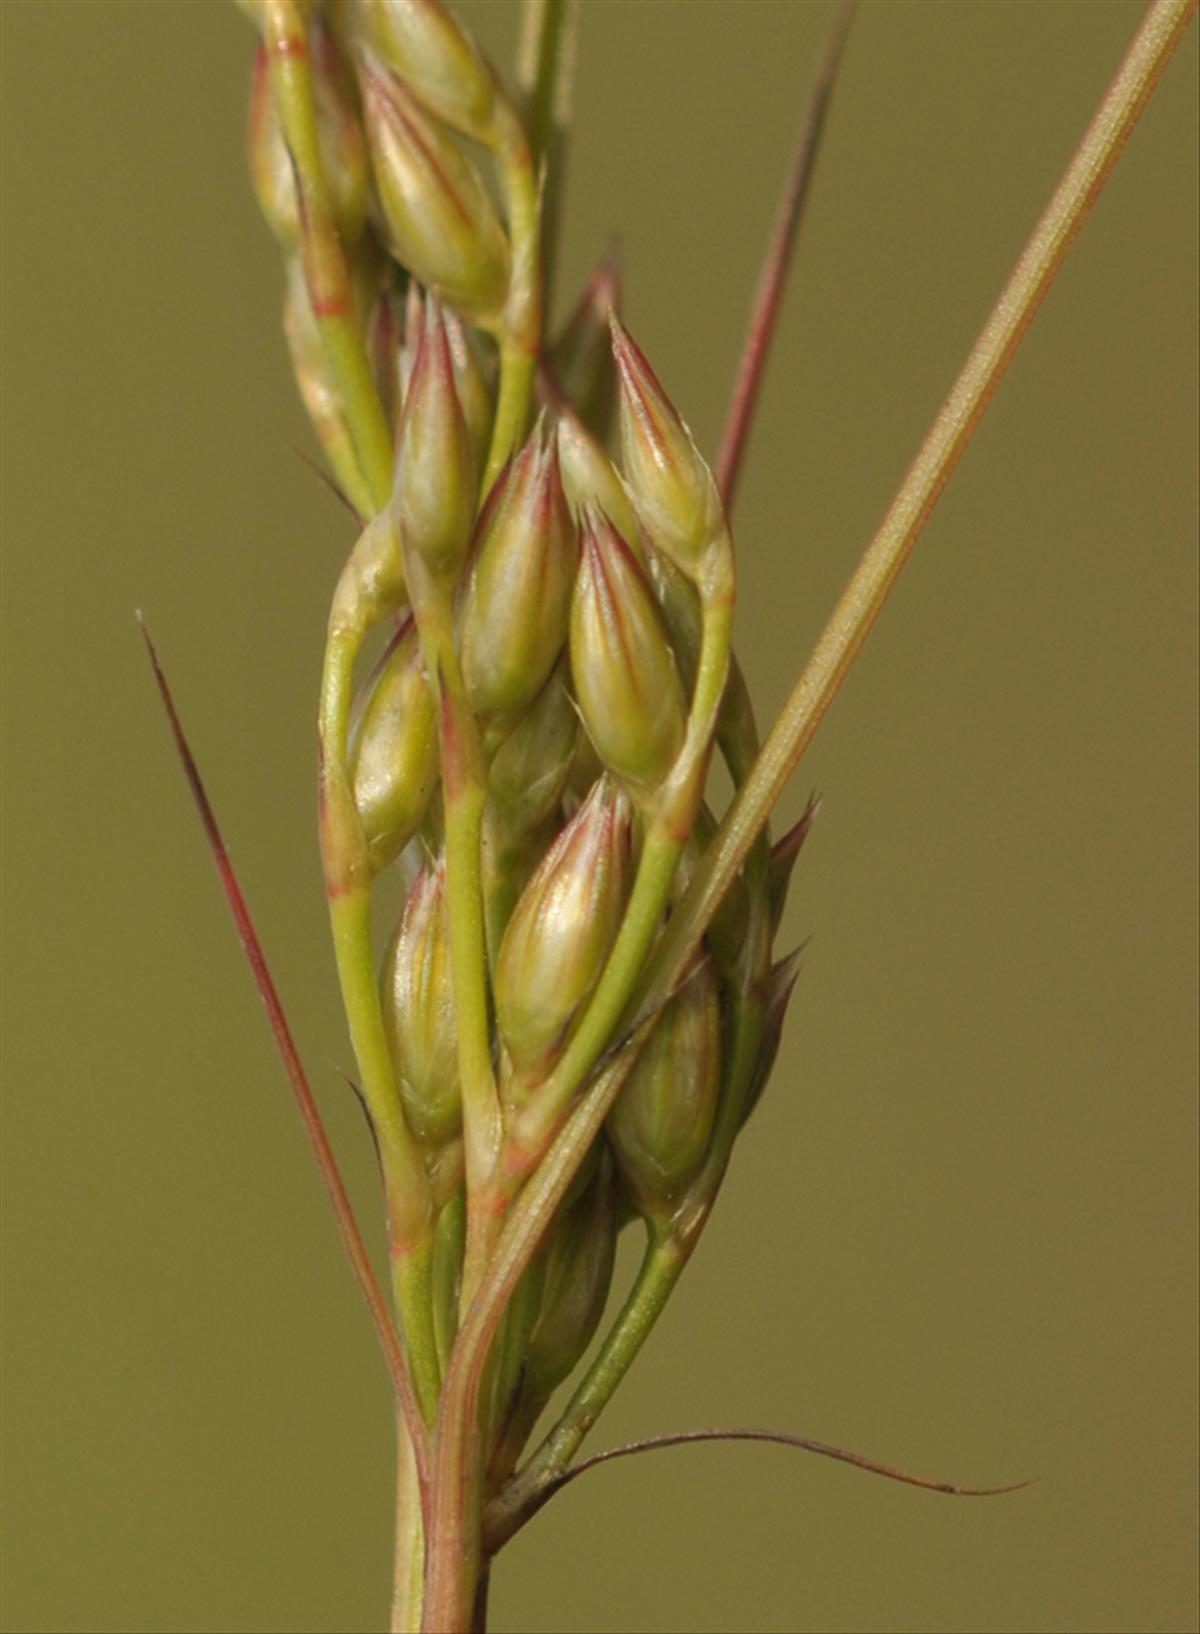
(871, 583)
(310, 1114)
(773, 278)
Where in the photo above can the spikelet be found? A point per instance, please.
(518, 589)
(393, 758)
(342, 145)
(418, 1012)
(560, 934)
(555, 644)
(434, 212)
(433, 501)
(662, 1119)
(622, 667)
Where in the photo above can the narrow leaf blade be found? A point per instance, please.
(310, 1114)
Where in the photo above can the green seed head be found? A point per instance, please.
(475, 393)
(383, 335)
(343, 149)
(526, 782)
(393, 759)
(589, 477)
(436, 217)
(671, 487)
(662, 1119)
(308, 356)
(518, 589)
(560, 934)
(433, 499)
(586, 766)
(622, 666)
(414, 322)
(418, 1011)
(680, 605)
(318, 388)
(435, 57)
(529, 771)
(372, 583)
(578, 1273)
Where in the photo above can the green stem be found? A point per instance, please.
(546, 69)
(468, 950)
(463, 799)
(521, 323)
(348, 883)
(339, 451)
(286, 39)
(517, 370)
(412, 1287)
(449, 1242)
(364, 412)
(660, 1270)
(347, 873)
(455, 1541)
(945, 444)
(409, 1554)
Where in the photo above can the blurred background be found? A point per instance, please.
(959, 1234)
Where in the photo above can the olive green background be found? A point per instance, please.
(959, 1235)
